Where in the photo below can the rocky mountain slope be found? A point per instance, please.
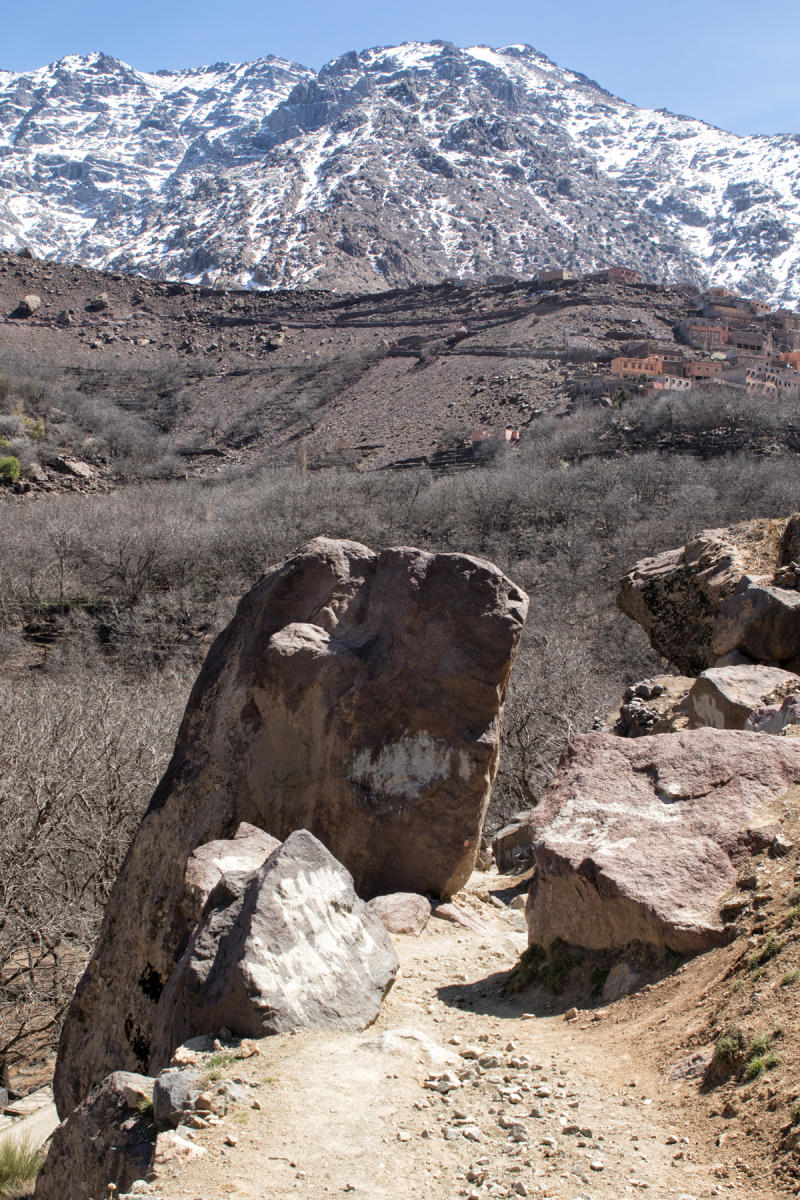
(389, 167)
(367, 380)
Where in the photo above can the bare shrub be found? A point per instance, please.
(78, 762)
(554, 694)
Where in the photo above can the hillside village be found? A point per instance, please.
(725, 340)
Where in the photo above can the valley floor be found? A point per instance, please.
(575, 1109)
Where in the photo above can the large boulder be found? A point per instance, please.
(288, 947)
(72, 467)
(726, 697)
(761, 620)
(512, 846)
(175, 1092)
(109, 1138)
(719, 594)
(354, 694)
(638, 840)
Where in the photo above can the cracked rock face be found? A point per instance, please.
(355, 695)
(640, 839)
(715, 597)
(289, 947)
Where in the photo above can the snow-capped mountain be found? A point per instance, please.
(393, 166)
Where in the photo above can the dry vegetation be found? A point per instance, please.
(78, 759)
(108, 603)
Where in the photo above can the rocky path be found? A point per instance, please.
(456, 1092)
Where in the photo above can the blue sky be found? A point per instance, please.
(735, 64)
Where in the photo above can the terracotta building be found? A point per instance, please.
(765, 381)
(720, 293)
(670, 383)
(705, 335)
(786, 326)
(704, 369)
(495, 435)
(632, 368)
(757, 340)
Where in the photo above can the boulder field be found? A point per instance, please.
(641, 834)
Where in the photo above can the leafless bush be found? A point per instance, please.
(555, 693)
(78, 761)
(11, 425)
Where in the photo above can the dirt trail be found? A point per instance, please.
(558, 1109)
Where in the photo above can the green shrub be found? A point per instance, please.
(217, 1063)
(761, 1063)
(772, 947)
(34, 427)
(754, 1068)
(730, 1047)
(791, 977)
(19, 1164)
(761, 1057)
(9, 470)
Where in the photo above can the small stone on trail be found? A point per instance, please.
(443, 1083)
(170, 1146)
(471, 1052)
(780, 846)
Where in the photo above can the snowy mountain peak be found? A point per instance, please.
(392, 165)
